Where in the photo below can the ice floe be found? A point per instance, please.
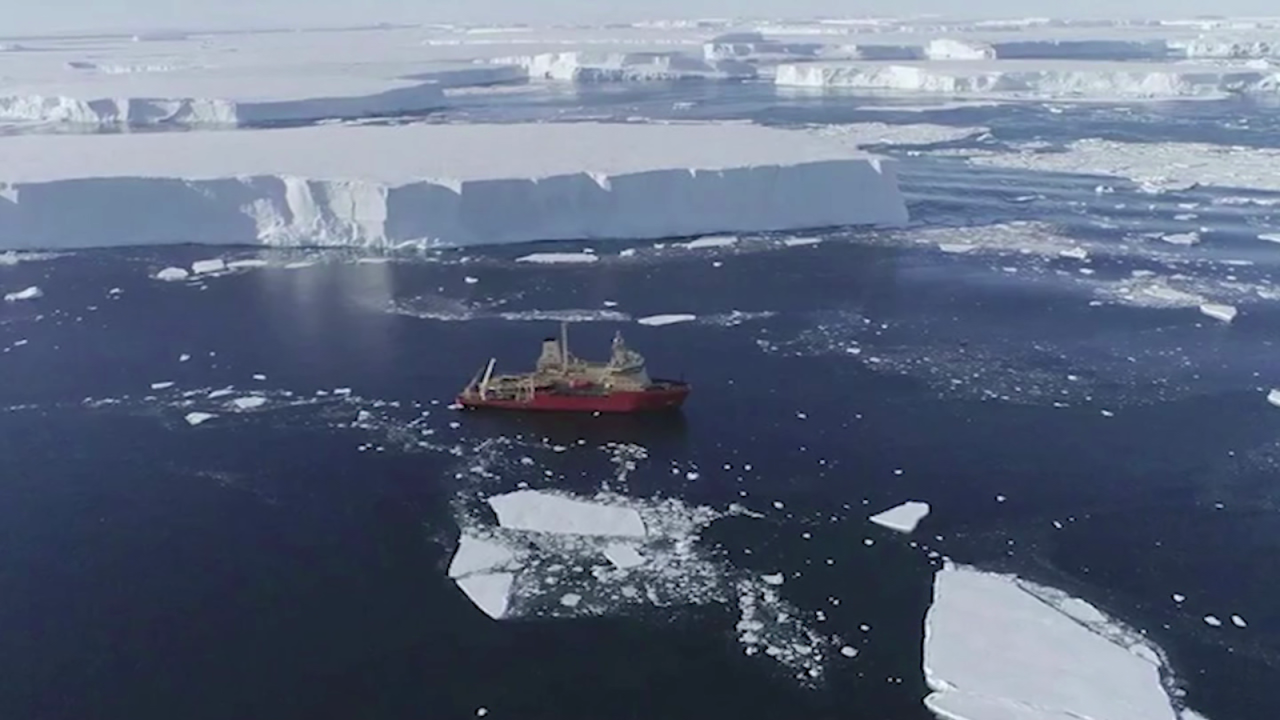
(671, 319)
(1000, 647)
(196, 418)
(213, 265)
(30, 293)
(1273, 397)
(1225, 313)
(558, 258)
(172, 274)
(544, 512)
(902, 518)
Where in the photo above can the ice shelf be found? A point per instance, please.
(998, 647)
(1060, 79)
(440, 185)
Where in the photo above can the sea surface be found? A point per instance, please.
(1073, 420)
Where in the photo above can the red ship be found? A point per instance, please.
(565, 383)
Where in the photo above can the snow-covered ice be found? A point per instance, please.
(214, 265)
(559, 258)
(595, 67)
(249, 402)
(436, 184)
(172, 274)
(195, 418)
(30, 293)
(902, 518)
(669, 319)
(489, 591)
(999, 647)
(1273, 397)
(545, 512)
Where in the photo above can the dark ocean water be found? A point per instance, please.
(289, 561)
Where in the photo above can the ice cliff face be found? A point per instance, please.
(535, 183)
(626, 67)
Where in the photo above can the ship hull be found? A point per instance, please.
(669, 396)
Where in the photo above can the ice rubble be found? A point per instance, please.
(562, 555)
(30, 293)
(435, 185)
(1060, 79)
(1000, 647)
(1155, 166)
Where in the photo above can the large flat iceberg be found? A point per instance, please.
(999, 648)
(1091, 79)
(437, 185)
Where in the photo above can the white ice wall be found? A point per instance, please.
(282, 210)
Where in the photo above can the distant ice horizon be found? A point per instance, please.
(134, 16)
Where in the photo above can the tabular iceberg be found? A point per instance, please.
(1034, 78)
(434, 185)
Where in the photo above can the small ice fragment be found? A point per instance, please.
(172, 274)
(184, 357)
(570, 600)
(481, 712)
(1212, 621)
(775, 579)
(161, 385)
(259, 377)
(196, 418)
(1107, 413)
(956, 248)
(30, 293)
(1238, 621)
(777, 504)
(902, 518)
(299, 265)
(1179, 597)
(610, 303)
(207, 266)
(1273, 397)
(250, 263)
(220, 393)
(629, 252)
(1074, 253)
(801, 241)
(670, 319)
(848, 651)
(342, 391)
(1181, 238)
(1001, 498)
(868, 542)
(115, 291)
(623, 556)
(1270, 237)
(249, 402)
(556, 258)
(1225, 313)
(470, 280)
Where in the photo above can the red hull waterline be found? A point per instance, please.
(670, 396)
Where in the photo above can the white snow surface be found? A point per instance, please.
(545, 512)
(1273, 397)
(902, 518)
(669, 319)
(1034, 78)
(442, 185)
(1000, 647)
(594, 67)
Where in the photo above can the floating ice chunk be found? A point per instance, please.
(476, 554)
(208, 266)
(30, 293)
(162, 385)
(1273, 397)
(801, 241)
(249, 402)
(224, 392)
(172, 274)
(570, 600)
(1179, 597)
(1225, 313)
(993, 648)
(1238, 621)
(775, 579)
(1212, 621)
(544, 512)
(1270, 237)
(658, 320)
(471, 280)
(299, 264)
(715, 241)
(623, 556)
(183, 357)
(1074, 253)
(489, 591)
(245, 264)
(196, 418)
(902, 518)
(848, 651)
(259, 377)
(558, 258)
(1181, 238)
(956, 248)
